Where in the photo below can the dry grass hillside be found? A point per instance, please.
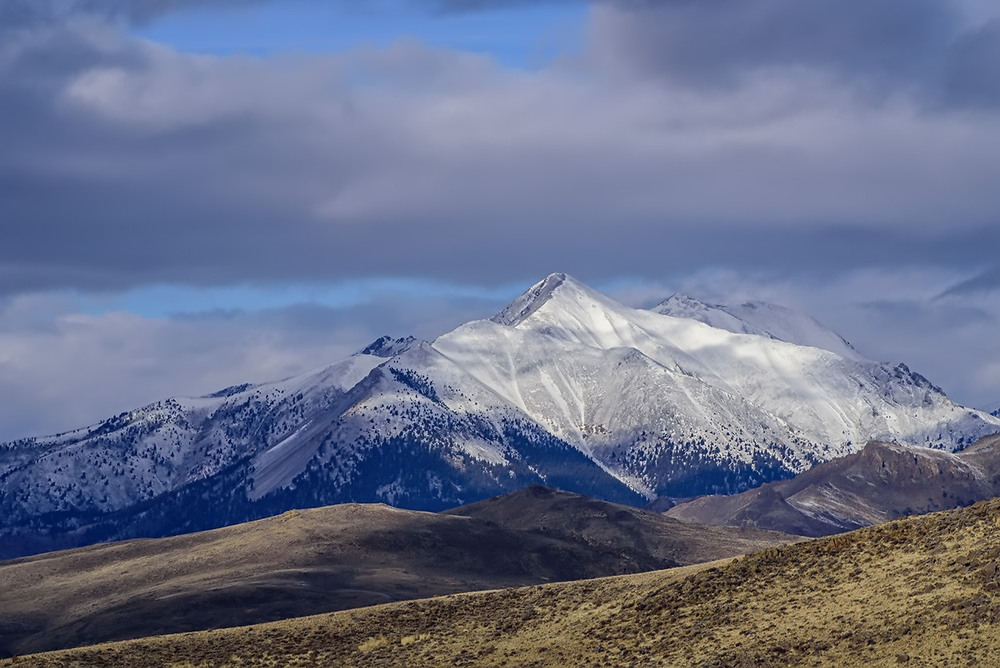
(923, 591)
(335, 558)
(571, 517)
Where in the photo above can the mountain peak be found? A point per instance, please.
(678, 303)
(533, 299)
(386, 346)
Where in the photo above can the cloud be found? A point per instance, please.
(971, 77)
(715, 42)
(942, 53)
(128, 163)
(454, 6)
(20, 14)
(947, 340)
(72, 369)
(982, 283)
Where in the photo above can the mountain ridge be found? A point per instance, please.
(882, 482)
(762, 319)
(564, 387)
(338, 557)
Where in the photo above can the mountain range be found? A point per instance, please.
(564, 387)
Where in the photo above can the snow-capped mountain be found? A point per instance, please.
(761, 318)
(565, 387)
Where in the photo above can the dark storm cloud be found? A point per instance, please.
(972, 70)
(922, 47)
(126, 163)
(21, 13)
(102, 203)
(828, 251)
(17, 14)
(461, 6)
(950, 340)
(141, 11)
(716, 41)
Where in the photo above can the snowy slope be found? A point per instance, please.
(369, 428)
(161, 447)
(822, 397)
(761, 318)
(564, 387)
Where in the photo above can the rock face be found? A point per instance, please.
(564, 387)
(884, 481)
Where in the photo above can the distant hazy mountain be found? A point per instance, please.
(564, 387)
(884, 481)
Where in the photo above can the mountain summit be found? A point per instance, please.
(564, 387)
(533, 299)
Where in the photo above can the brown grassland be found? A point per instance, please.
(307, 562)
(922, 591)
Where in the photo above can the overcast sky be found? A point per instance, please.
(195, 193)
